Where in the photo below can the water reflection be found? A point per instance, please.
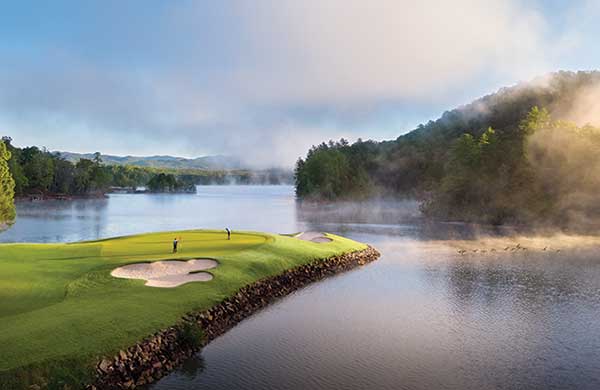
(392, 218)
(264, 208)
(191, 368)
(58, 220)
(422, 317)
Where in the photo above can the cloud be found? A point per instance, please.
(259, 79)
(350, 51)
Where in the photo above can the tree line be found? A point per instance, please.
(487, 161)
(38, 171)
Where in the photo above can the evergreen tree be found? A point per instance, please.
(7, 188)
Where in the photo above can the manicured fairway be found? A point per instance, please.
(58, 302)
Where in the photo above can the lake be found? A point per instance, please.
(422, 317)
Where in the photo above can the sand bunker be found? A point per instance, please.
(317, 237)
(168, 273)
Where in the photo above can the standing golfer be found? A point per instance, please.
(175, 242)
(228, 233)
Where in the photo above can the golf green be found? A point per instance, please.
(59, 302)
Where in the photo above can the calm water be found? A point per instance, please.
(422, 317)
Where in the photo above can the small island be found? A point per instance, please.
(122, 312)
(165, 182)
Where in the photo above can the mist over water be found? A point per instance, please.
(423, 316)
(263, 208)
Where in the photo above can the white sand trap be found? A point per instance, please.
(168, 273)
(317, 237)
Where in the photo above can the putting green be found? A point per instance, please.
(58, 302)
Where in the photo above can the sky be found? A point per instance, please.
(264, 80)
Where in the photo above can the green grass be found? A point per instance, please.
(59, 303)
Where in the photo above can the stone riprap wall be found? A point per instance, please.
(159, 354)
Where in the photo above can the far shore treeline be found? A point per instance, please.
(500, 159)
(38, 172)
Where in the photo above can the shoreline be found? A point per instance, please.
(161, 353)
(63, 197)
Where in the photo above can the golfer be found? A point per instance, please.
(228, 233)
(175, 242)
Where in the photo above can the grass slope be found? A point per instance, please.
(58, 302)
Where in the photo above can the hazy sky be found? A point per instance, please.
(266, 79)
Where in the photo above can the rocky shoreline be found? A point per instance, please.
(161, 353)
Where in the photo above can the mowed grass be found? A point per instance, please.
(59, 303)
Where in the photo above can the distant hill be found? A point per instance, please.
(217, 162)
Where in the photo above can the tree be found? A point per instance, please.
(38, 167)
(536, 119)
(7, 188)
(14, 164)
(97, 158)
(64, 176)
(83, 176)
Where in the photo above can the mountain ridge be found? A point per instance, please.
(211, 162)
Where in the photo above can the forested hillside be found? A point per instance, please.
(502, 158)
